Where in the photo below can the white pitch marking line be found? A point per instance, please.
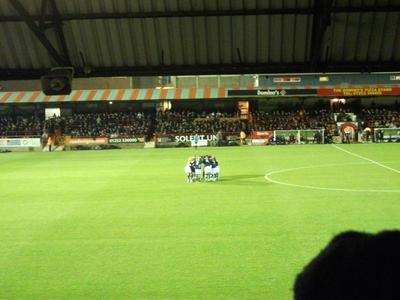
(267, 177)
(367, 159)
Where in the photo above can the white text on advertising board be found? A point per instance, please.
(126, 140)
(188, 138)
(20, 143)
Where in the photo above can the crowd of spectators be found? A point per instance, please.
(189, 122)
(290, 120)
(179, 122)
(21, 125)
(101, 124)
(379, 118)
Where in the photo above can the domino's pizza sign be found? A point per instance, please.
(272, 92)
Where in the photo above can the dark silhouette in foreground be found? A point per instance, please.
(354, 266)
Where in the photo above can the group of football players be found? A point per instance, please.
(202, 168)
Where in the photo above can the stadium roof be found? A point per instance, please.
(178, 37)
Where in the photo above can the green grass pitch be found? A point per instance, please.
(125, 224)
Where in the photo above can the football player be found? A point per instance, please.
(197, 169)
(215, 168)
(207, 168)
(189, 170)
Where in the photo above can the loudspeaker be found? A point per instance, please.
(58, 81)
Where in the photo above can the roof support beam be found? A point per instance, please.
(39, 33)
(203, 13)
(321, 22)
(60, 32)
(359, 67)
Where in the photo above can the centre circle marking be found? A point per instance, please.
(269, 179)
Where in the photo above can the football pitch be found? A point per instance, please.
(124, 224)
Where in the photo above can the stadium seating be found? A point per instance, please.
(178, 122)
(21, 125)
(297, 119)
(101, 124)
(380, 118)
(189, 121)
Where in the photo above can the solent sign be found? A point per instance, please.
(189, 138)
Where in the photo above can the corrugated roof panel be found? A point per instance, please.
(139, 40)
(363, 36)
(172, 5)
(275, 41)
(263, 38)
(132, 40)
(84, 38)
(237, 39)
(238, 4)
(162, 32)
(250, 4)
(74, 43)
(16, 39)
(153, 50)
(365, 40)
(224, 4)
(201, 38)
(301, 38)
(288, 37)
(185, 5)
(175, 42)
(6, 9)
(119, 42)
(391, 32)
(225, 39)
(213, 40)
(338, 36)
(250, 40)
(31, 6)
(376, 37)
(187, 43)
(7, 60)
(352, 36)
(158, 5)
(127, 50)
(210, 5)
(396, 45)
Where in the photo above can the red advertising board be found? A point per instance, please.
(261, 137)
(357, 92)
(87, 141)
(262, 134)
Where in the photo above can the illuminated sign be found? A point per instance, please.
(354, 92)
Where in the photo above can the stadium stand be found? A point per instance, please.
(380, 117)
(109, 124)
(296, 119)
(19, 125)
(189, 121)
(101, 124)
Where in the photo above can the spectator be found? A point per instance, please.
(354, 266)
(174, 122)
(101, 124)
(380, 118)
(294, 120)
(21, 125)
